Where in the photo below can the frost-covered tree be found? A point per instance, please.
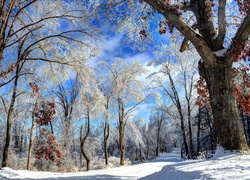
(67, 96)
(128, 92)
(41, 34)
(91, 104)
(106, 87)
(41, 30)
(158, 117)
(177, 79)
(134, 139)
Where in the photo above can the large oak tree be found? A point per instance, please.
(219, 31)
(217, 57)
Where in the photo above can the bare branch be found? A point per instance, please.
(16, 16)
(130, 109)
(221, 23)
(6, 18)
(5, 83)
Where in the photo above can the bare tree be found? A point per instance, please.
(158, 116)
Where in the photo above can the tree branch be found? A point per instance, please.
(195, 38)
(18, 12)
(6, 18)
(221, 23)
(241, 37)
(129, 110)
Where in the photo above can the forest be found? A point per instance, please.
(93, 84)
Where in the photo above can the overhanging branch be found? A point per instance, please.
(195, 38)
(241, 37)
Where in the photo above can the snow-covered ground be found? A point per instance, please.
(224, 165)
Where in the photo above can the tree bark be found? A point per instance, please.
(106, 136)
(157, 142)
(121, 132)
(9, 120)
(83, 140)
(31, 135)
(106, 132)
(190, 134)
(227, 123)
(122, 147)
(184, 137)
(198, 131)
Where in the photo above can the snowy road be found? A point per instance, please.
(126, 172)
(223, 166)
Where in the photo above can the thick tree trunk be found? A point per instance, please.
(227, 123)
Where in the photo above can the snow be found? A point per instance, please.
(224, 165)
(221, 53)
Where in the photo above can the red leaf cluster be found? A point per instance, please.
(203, 94)
(143, 34)
(209, 6)
(48, 149)
(243, 6)
(166, 6)
(45, 113)
(242, 91)
(240, 50)
(162, 27)
(34, 88)
(9, 70)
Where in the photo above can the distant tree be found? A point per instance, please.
(177, 79)
(92, 100)
(127, 92)
(35, 90)
(67, 96)
(205, 131)
(9, 116)
(134, 139)
(158, 117)
(106, 89)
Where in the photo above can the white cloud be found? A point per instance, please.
(111, 44)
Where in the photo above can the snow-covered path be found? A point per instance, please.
(166, 167)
